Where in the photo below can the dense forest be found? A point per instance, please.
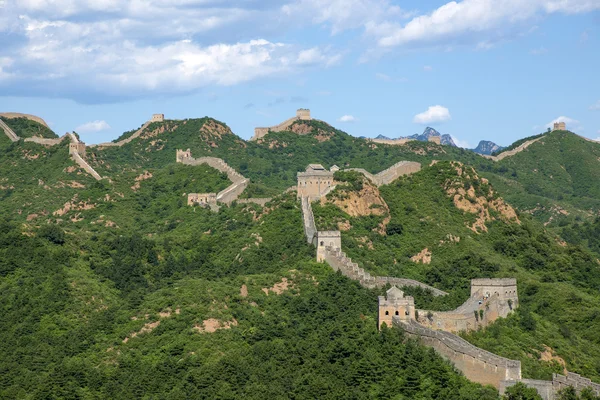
(118, 289)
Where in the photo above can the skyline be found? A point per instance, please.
(475, 69)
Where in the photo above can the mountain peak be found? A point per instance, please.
(487, 147)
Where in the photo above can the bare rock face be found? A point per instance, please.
(480, 201)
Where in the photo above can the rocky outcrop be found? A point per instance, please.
(485, 147)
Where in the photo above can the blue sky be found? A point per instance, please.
(475, 69)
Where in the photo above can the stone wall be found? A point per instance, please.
(476, 364)
(255, 200)
(9, 132)
(46, 142)
(548, 390)
(391, 142)
(124, 141)
(239, 182)
(310, 229)
(28, 116)
(302, 114)
(338, 260)
(390, 174)
(512, 152)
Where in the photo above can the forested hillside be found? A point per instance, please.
(118, 289)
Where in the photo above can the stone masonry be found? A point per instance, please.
(302, 114)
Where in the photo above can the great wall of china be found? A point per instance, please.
(490, 299)
(76, 147)
(226, 196)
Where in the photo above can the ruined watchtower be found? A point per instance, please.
(314, 182)
(183, 155)
(394, 304)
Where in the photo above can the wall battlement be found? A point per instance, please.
(229, 194)
(477, 364)
(11, 115)
(390, 174)
(302, 114)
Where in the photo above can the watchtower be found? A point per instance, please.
(303, 114)
(157, 118)
(326, 239)
(395, 305)
(182, 155)
(77, 148)
(560, 126)
(314, 182)
(504, 288)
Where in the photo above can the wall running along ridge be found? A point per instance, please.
(512, 152)
(231, 193)
(476, 364)
(390, 174)
(30, 117)
(9, 132)
(76, 149)
(124, 141)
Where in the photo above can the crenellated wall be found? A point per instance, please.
(302, 114)
(476, 364)
(512, 152)
(126, 140)
(548, 390)
(390, 174)
(232, 192)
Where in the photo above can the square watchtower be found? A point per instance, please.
(395, 304)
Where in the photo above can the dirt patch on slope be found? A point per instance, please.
(478, 202)
(424, 257)
(212, 325)
(548, 355)
(280, 287)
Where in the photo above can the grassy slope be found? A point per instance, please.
(560, 170)
(26, 128)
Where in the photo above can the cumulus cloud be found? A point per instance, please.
(348, 118)
(93, 127)
(123, 49)
(572, 124)
(472, 21)
(593, 107)
(433, 114)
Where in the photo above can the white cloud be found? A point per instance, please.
(572, 124)
(92, 50)
(348, 118)
(427, 68)
(433, 114)
(93, 127)
(469, 20)
(461, 143)
(383, 77)
(593, 107)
